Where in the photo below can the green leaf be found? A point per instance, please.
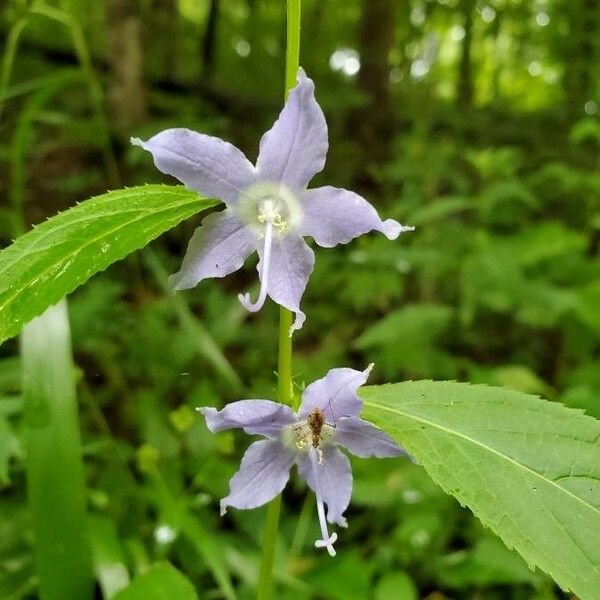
(108, 559)
(201, 337)
(162, 581)
(60, 254)
(204, 541)
(396, 585)
(406, 339)
(348, 577)
(529, 469)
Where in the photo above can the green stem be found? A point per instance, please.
(292, 56)
(284, 368)
(265, 574)
(8, 59)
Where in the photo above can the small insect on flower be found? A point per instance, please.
(268, 206)
(316, 420)
(327, 419)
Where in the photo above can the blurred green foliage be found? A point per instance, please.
(477, 122)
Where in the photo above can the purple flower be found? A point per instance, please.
(328, 417)
(268, 207)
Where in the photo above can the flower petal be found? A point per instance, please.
(364, 439)
(335, 216)
(293, 151)
(255, 417)
(334, 483)
(335, 394)
(203, 163)
(292, 262)
(263, 473)
(218, 247)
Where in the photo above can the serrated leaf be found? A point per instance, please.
(529, 469)
(56, 257)
(162, 581)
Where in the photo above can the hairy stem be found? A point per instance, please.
(284, 369)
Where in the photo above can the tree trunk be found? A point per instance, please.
(375, 122)
(498, 66)
(210, 40)
(126, 92)
(464, 92)
(164, 22)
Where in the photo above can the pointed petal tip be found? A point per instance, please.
(174, 282)
(368, 370)
(223, 507)
(392, 229)
(210, 415)
(137, 142)
(342, 522)
(301, 74)
(178, 283)
(298, 322)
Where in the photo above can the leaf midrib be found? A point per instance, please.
(86, 217)
(433, 424)
(82, 247)
(482, 445)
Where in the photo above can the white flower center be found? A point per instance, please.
(269, 209)
(309, 436)
(270, 203)
(301, 435)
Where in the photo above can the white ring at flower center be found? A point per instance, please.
(274, 203)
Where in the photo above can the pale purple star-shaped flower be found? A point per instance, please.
(327, 418)
(268, 206)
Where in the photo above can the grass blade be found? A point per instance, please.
(203, 340)
(54, 461)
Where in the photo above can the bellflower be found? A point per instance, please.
(327, 418)
(268, 206)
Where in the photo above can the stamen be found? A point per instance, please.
(327, 540)
(264, 276)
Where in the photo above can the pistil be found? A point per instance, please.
(264, 275)
(327, 540)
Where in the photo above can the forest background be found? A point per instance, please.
(476, 122)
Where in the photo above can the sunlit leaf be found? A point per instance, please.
(60, 254)
(162, 581)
